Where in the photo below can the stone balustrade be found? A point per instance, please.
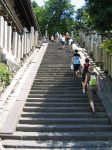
(91, 40)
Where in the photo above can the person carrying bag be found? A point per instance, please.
(92, 82)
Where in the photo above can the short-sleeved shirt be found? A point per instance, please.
(76, 58)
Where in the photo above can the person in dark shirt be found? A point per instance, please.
(84, 71)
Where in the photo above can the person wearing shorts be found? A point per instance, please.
(76, 62)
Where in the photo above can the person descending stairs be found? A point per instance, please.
(56, 114)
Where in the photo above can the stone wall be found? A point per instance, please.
(15, 46)
(91, 41)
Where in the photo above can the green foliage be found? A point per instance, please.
(40, 11)
(107, 45)
(34, 4)
(57, 14)
(5, 75)
(100, 12)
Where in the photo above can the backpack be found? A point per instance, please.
(93, 80)
(76, 60)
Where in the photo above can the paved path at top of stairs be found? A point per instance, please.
(56, 114)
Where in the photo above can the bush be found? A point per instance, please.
(5, 75)
(107, 45)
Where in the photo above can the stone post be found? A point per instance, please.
(14, 44)
(36, 38)
(22, 45)
(5, 36)
(1, 32)
(24, 52)
(32, 38)
(18, 47)
(9, 39)
(111, 64)
(28, 42)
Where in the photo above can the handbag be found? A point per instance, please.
(72, 66)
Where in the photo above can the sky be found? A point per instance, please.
(77, 3)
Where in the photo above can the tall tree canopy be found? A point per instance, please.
(57, 15)
(100, 12)
(82, 18)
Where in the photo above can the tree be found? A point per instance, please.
(34, 4)
(82, 17)
(40, 11)
(100, 12)
(57, 14)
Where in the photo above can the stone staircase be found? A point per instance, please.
(56, 114)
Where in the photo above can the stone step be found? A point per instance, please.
(47, 104)
(60, 109)
(64, 128)
(42, 87)
(54, 121)
(64, 115)
(53, 70)
(52, 91)
(53, 74)
(66, 96)
(55, 82)
(57, 79)
(61, 100)
(56, 91)
(59, 83)
(62, 78)
(56, 145)
(50, 85)
(62, 136)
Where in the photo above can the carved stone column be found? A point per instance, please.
(9, 39)
(32, 38)
(5, 36)
(36, 38)
(14, 44)
(1, 32)
(22, 46)
(111, 64)
(24, 49)
(18, 47)
(27, 42)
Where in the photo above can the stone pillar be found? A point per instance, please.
(24, 49)
(28, 45)
(72, 33)
(46, 33)
(14, 44)
(32, 38)
(22, 45)
(1, 32)
(111, 65)
(27, 42)
(9, 39)
(95, 46)
(18, 47)
(5, 36)
(106, 60)
(92, 41)
(99, 50)
(36, 38)
(87, 42)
